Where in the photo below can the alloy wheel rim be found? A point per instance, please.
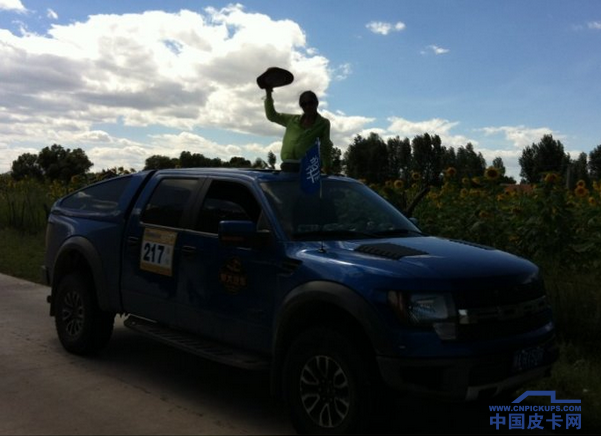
(325, 391)
(73, 313)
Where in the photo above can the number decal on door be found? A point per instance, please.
(157, 251)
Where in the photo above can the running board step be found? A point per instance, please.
(197, 345)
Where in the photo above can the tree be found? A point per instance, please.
(271, 159)
(259, 164)
(399, 158)
(469, 163)
(58, 163)
(579, 171)
(159, 162)
(239, 162)
(107, 173)
(546, 156)
(197, 160)
(450, 158)
(427, 157)
(336, 160)
(594, 163)
(527, 163)
(26, 165)
(498, 164)
(366, 158)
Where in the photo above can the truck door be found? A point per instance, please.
(152, 246)
(227, 292)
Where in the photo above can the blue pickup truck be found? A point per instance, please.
(338, 294)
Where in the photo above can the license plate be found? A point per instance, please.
(528, 358)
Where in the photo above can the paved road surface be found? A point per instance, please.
(138, 386)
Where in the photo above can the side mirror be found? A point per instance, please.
(414, 221)
(242, 234)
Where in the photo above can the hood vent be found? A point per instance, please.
(389, 251)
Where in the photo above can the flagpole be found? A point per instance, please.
(319, 156)
(322, 248)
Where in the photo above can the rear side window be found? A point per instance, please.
(100, 198)
(169, 202)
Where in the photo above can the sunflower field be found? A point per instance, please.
(557, 228)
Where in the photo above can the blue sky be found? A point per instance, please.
(128, 79)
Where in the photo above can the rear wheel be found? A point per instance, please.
(328, 384)
(81, 326)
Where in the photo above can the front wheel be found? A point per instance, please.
(328, 384)
(81, 326)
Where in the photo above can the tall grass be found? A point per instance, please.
(22, 254)
(23, 204)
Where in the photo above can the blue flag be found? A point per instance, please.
(310, 170)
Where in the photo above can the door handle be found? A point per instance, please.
(188, 250)
(132, 241)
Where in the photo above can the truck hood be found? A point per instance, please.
(422, 262)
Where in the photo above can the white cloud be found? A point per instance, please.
(12, 5)
(436, 126)
(341, 72)
(521, 136)
(435, 50)
(344, 128)
(183, 71)
(595, 25)
(384, 28)
(51, 14)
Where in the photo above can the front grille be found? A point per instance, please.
(497, 329)
(499, 295)
(501, 311)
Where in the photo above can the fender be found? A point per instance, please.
(311, 295)
(340, 296)
(108, 297)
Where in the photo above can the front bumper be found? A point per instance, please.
(466, 378)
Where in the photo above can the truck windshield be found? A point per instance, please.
(343, 210)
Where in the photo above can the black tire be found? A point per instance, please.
(329, 384)
(81, 326)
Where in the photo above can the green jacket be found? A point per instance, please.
(297, 139)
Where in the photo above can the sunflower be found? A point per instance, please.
(450, 172)
(416, 176)
(551, 178)
(492, 173)
(581, 184)
(484, 214)
(580, 192)
(399, 184)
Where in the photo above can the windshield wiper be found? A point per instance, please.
(334, 234)
(396, 232)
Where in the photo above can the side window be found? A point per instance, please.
(168, 202)
(101, 197)
(226, 201)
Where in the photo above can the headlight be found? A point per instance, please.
(431, 309)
